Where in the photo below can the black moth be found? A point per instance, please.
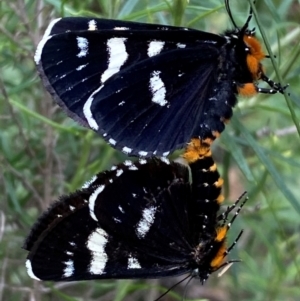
(148, 89)
(143, 219)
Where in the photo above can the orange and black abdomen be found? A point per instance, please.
(206, 186)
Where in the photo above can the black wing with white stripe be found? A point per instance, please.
(131, 81)
(139, 220)
(149, 89)
(133, 225)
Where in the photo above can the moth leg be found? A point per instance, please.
(272, 84)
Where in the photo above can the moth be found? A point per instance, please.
(148, 89)
(146, 219)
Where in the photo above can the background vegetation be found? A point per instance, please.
(44, 154)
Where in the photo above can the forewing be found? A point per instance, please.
(123, 229)
(128, 84)
(167, 104)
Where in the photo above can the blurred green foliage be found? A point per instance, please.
(44, 154)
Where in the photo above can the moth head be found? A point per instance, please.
(252, 47)
(210, 255)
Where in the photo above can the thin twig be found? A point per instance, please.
(2, 280)
(266, 131)
(5, 260)
(2, 224)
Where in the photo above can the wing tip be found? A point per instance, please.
(30, 271)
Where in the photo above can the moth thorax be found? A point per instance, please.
(254, 55)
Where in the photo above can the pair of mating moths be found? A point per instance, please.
(147, 90)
